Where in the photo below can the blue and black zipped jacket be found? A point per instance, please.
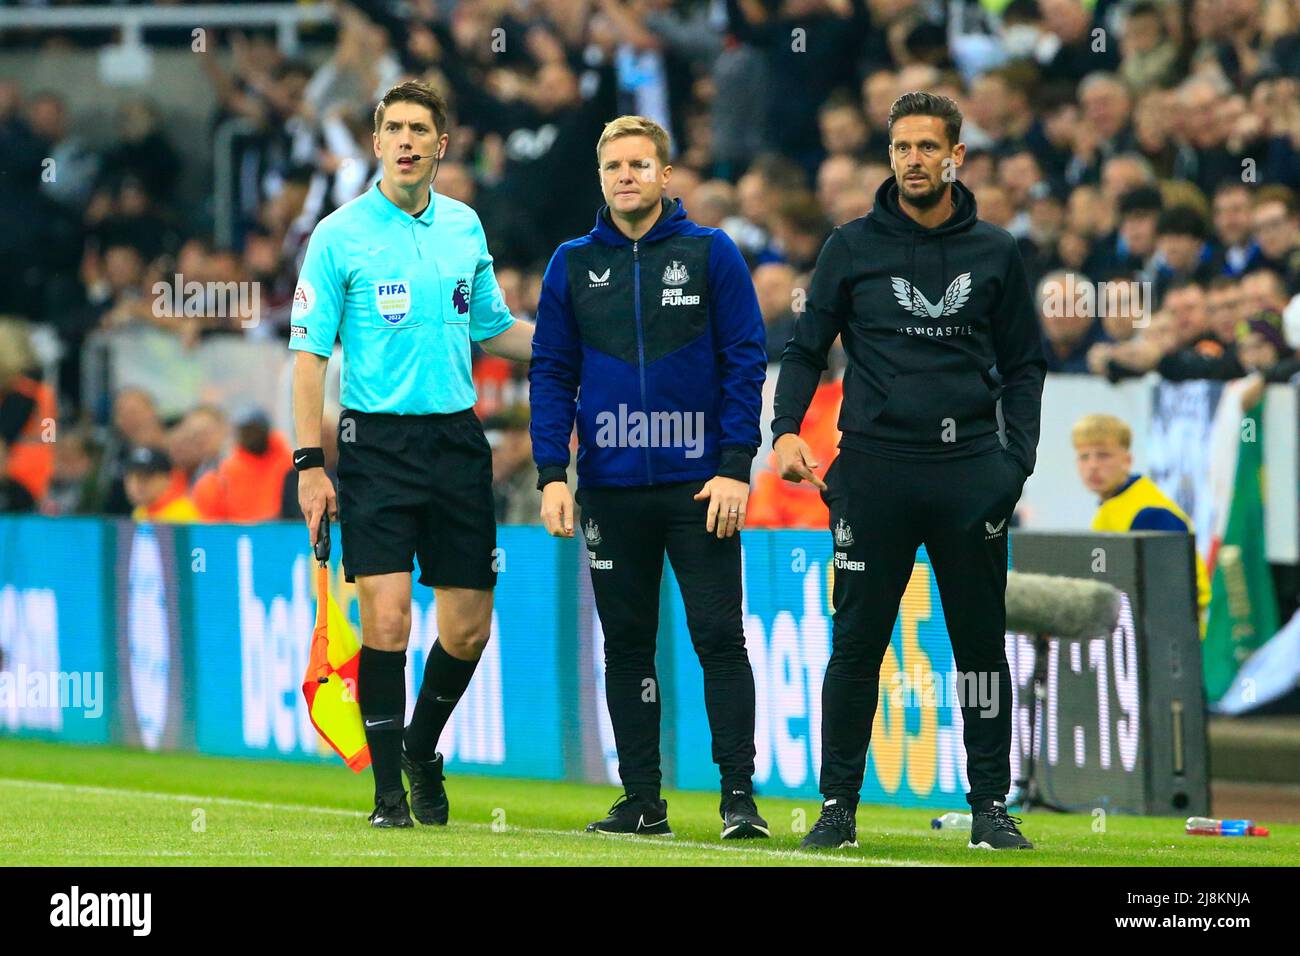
(656, 347)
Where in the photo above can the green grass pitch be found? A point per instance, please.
(77, 806)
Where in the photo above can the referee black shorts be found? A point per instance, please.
(417, 485)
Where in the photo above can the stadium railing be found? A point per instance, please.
(287, 18)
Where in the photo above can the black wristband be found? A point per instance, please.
(304, 458)
(550, 473)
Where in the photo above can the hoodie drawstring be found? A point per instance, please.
(943, 267)
(911, 269)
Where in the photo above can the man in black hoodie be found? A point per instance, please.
(937, 319)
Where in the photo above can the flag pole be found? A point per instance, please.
(321, 632)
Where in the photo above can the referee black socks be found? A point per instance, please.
(445, 680)
(381, 693)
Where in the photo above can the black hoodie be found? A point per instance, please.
(938, 324)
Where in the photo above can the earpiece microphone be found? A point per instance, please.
(416, 157)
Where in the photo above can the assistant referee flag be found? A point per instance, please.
(330, 684)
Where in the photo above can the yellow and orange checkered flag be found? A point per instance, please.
(330, 684)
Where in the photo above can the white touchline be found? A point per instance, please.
(420, 848)
(185, 797)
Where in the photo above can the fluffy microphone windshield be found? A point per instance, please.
(1059, 606)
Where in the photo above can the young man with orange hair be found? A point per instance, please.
(1128, 501)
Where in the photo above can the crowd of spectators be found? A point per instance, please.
(1145, 151)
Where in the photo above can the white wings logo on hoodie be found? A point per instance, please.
(912, 299)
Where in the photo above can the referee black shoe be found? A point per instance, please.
(740, 819)
(635, 815)
(391, 812)
(428, 796)
(836, 827)
(992, 828)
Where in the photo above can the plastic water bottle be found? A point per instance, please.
(1205, 826)
(951, 821)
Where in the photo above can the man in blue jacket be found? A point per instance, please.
(649, 333)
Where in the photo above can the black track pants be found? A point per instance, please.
(627, 532)
(882, 509)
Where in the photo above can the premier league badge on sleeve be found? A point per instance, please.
(393, 300)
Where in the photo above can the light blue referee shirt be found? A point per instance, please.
(405, 295)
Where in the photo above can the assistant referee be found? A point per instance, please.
(935, 313)
(402, 276)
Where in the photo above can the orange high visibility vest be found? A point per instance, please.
(775, 502)
(245, 487)
(31, 457)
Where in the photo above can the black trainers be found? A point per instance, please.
(428, 796)
(631, 814)
(836, 827)
(992, 828)
(391, 812)
(740, 819)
